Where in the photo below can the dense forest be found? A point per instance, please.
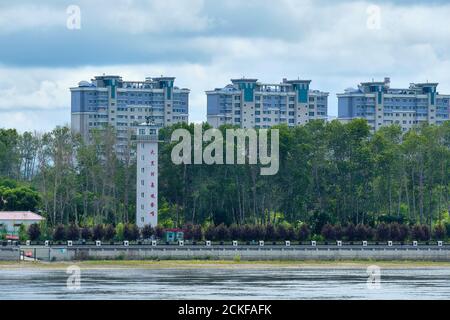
(329, 173)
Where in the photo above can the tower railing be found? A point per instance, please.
(145, 138)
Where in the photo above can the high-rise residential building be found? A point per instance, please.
(251, 104)
(382, 105)
(111, 101)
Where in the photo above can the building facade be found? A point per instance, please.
(11, 221)
(111, 101)
(250, 104)
(382, 105)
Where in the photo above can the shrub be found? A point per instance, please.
(426, 233)
(303, 232)
(197, 233)
(34, 232)
(404, 232)
(420, 232)
(382, 232)
(394, 231)
(328, 232)
(119, 231)
(417, 233)
(361, 232)
(98, 233)
(110, 232)
(135, 234)
(439, 232)
(188, 229)
(235, 232)
(159, 232)
(130, 232)
(147, 232)
(222, 233)
(270, 234)
(73, 232)
(290, 233)
(447, 229)
(282, 232)
(59, 234)
(247, 233)
(338, 232)
(350, 232)
(258, 232)
(86, 234)
(370, 233)
(23, 234)
(210, 233)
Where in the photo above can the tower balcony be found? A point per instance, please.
(145, 138)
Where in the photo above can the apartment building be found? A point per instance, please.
(111, 101)
(248, 103)
(382, 105)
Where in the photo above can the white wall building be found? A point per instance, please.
(10, 221)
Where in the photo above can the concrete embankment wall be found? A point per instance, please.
(9, 254)
(62, 253)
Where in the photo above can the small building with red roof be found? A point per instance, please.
(10, 221)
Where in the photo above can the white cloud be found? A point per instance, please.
(327, 42)
(40, 88)
(157, 16)
(127, 16)
(38, 120)
(29, 16)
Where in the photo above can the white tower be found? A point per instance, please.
(147, 174)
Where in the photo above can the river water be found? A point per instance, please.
(260, 284)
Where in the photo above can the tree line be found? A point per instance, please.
(330, 173)
(248, 233)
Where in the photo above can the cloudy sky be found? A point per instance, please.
(204, 43)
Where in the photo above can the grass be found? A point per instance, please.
(199, 264)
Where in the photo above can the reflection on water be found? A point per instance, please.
(301, 283)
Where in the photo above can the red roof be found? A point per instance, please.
(20, 215)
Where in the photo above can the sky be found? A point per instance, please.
(47, 48)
